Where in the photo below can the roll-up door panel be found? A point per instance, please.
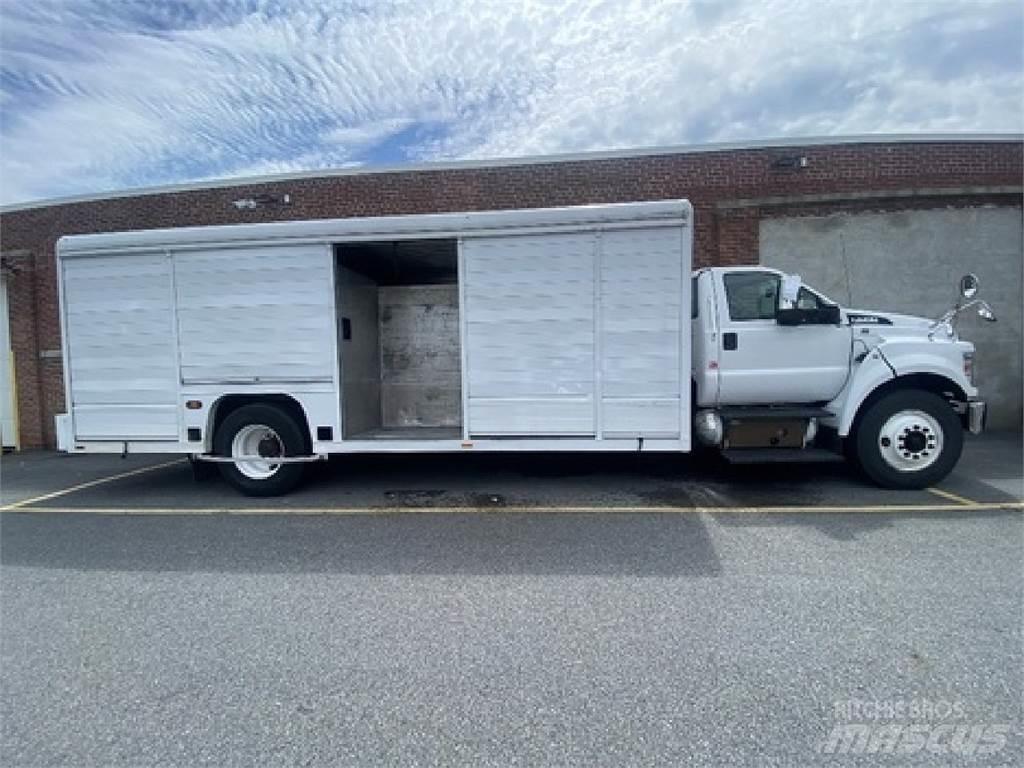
(257, 314)
(529, 304)
(641, 299)
(119, 326)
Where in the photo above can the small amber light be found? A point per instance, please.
(193, 405)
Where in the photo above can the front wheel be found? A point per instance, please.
(909, 439)
(261, 433)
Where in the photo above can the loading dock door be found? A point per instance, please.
(8, 419)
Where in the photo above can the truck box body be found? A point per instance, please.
(536, 329)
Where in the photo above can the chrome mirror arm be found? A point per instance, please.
(951, 314)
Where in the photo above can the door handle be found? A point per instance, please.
(730, 340)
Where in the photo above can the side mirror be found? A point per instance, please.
(792, 316)
(827, 315)
(831, 315)
(969, 285)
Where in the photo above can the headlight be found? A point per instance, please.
(969, 367)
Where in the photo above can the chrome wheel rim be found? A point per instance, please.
(257, 440)
(910, 441)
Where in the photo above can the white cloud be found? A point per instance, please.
(168, 92)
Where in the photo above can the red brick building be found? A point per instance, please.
(735, 189)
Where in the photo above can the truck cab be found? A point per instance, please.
(782, 372)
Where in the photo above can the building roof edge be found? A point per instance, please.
(471, 164)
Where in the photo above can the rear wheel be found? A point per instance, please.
(908, 439)
(263, 433)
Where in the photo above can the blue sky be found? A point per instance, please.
(100, 95)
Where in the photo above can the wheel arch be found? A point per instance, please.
(935, 383)
(227, 404)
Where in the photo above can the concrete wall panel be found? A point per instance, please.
(910, 262)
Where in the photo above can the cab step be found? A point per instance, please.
(781, 455)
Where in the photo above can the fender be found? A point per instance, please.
(896, 359)
(315, 408)
(945, 359)
(865, 378)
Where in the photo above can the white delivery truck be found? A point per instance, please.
(262, 347)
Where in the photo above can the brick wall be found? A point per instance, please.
(725, 187)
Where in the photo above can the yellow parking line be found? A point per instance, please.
(89, 484)
(952, 497)
(353, 511)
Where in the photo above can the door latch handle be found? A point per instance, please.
(730, 340)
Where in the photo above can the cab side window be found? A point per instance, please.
(752, 295)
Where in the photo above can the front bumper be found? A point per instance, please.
(976, 412)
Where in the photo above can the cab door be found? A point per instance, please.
(763, 362)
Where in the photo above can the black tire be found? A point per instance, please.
(936, 463)
(290, 438)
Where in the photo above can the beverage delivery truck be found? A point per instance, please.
(263, 347)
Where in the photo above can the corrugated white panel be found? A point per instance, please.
(120, 336)
(493, 416)
(126, 422)
(256, 314)
(641, 418)
(641, 299)
(530, 334)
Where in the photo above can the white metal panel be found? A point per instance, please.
(641, 294)
(704, 340)
(120, 339)
(126, 422)
(529, 309)
(640, 418)
(563, 416)
(576, 217)
(256, 314)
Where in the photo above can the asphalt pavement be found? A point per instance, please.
(989, 473)
(585, 612)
